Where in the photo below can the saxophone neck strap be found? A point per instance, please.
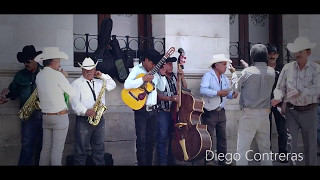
(92, 90)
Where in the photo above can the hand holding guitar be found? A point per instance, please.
(147, 78)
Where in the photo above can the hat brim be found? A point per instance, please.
(22, 58)
(60, 55)
(293, 48)
(217, 61)
(88, 67)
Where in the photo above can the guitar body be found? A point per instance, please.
(136, 98)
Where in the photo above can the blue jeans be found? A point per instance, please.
(31, 140)
(164, 136)
(86, 134)
(318, 136)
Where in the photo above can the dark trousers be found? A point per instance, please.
(318, 133)
(85, 135)
(31, 140)
(164, 138)
(216, 120)
(146, 132)
(281, 129)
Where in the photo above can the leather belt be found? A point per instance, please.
(58, 113)
(301, 108)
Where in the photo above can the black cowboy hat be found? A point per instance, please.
(28, 53)
(153, 55)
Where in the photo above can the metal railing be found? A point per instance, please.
(89, 43)
(238, 52)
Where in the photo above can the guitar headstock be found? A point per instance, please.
(169, 52)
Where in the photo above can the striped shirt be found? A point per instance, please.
(306, 81)
(170, 90)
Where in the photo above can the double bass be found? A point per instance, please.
(191, 139)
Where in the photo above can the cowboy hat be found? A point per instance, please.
(88, 64)
(219, 58)
(153, 55)
(300, 43)
(28, 53)
(51, 53)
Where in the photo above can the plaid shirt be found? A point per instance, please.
(306, 81)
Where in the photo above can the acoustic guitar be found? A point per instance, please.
(136, 98)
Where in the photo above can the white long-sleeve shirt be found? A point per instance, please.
(83, 99)
(131, 83)
(51, 86)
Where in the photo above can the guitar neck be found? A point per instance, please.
(160, 63)
(157, 67)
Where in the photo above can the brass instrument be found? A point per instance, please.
(99, 108)
(29, 106)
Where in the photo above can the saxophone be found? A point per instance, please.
(29, 106)
(99, 108)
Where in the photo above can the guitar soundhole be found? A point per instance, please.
(141, 96)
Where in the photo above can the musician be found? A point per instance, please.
(146, 118)
(255, 85)
(278, 117)
(299, 83)
(23, 86)
(52, 85)
(215, 85)
(165, 121)
(87, 90)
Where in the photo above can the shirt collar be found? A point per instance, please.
(297, 65)
(84, 79)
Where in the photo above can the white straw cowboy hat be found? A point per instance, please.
(219, 58)
(301, 43)
(51, 53)
(88, 64)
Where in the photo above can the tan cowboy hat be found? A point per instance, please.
(219, 58)
(300, 43)
(88, 64)
(51, 53)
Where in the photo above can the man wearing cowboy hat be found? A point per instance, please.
(87, 89)
(23, 86)
(216, 86)
(146, 118)
(52, 86)
(255, 85)
(299, 84)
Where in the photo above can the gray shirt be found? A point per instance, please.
(255, 85)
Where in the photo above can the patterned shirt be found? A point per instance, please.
(306, 81)
(170, 90)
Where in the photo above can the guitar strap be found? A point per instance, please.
(92, 90)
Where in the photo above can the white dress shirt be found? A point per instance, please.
(132, 83)
(51, 86)
(83, 99)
